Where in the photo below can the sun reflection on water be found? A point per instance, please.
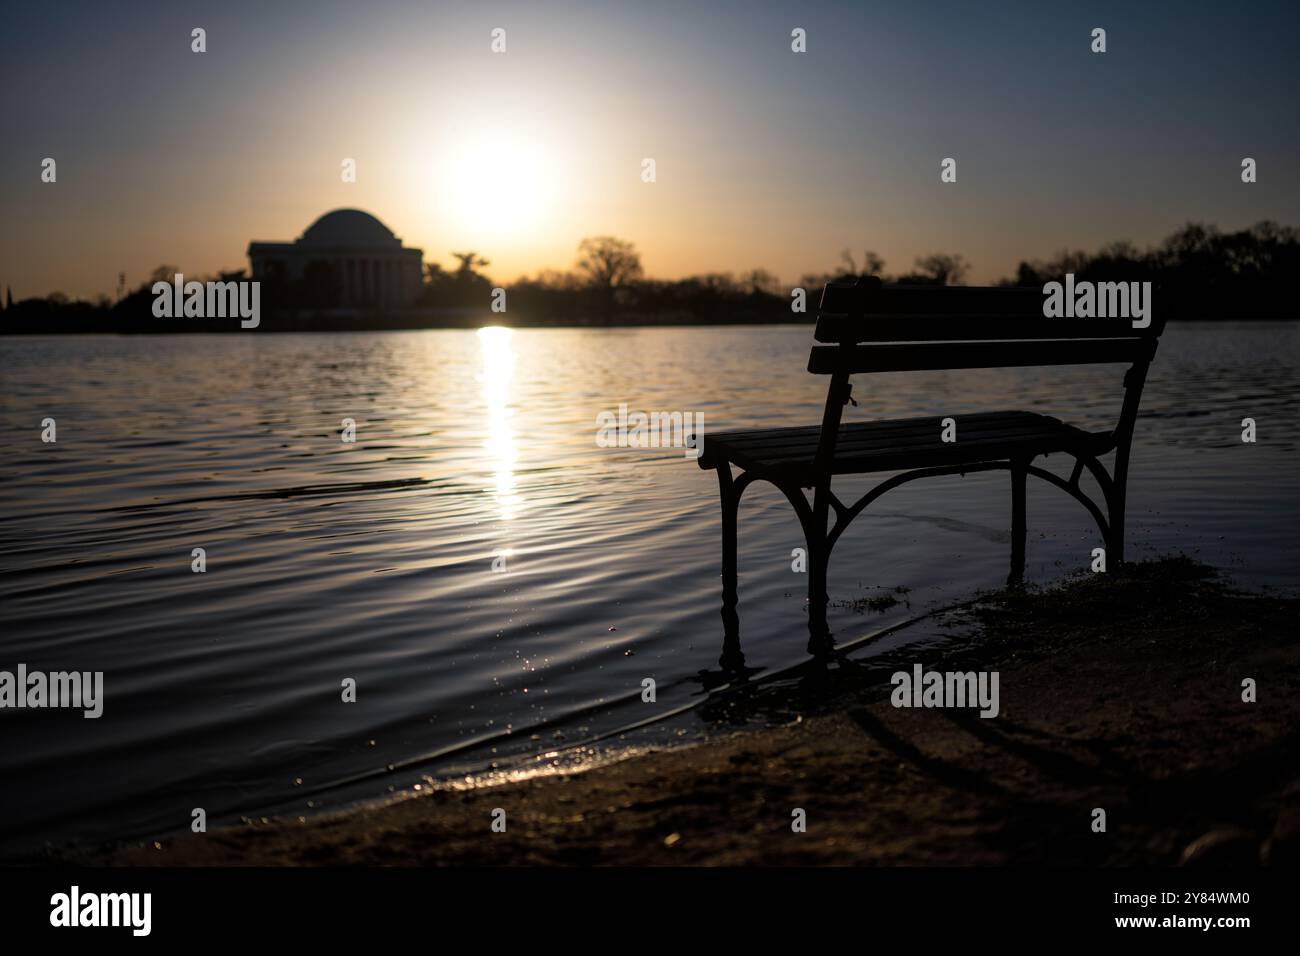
(495, 379)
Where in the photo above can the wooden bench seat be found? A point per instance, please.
(864, 327)
(863, 447)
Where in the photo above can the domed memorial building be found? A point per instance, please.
(350, 252)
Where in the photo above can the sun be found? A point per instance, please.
(495, 187)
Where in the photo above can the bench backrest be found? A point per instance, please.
(910, 328)
(867, 327)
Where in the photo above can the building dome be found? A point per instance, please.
(348, 258)
(349, 227)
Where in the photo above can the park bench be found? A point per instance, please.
(866, 327)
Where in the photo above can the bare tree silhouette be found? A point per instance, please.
(943, 269)
(608, 262)
(872, 264)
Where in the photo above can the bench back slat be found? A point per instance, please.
(865, 311)
(914, 357)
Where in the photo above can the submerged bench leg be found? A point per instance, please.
(1018, 525)
(819, 553)
(1115, 507)
(819, 632)
(731, 654)
(1115, 546)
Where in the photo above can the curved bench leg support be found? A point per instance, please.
(1019, 471)
(814, 519)
(731, 658)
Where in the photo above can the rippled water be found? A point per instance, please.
(374, 560)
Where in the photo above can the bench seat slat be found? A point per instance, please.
(882, 424)
(896, 431)
(884, 446)
(851, 444)
(858, 443)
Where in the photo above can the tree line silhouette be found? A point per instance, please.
(1201, 272)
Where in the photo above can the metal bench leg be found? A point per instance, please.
(1019, 469)
(731, 654)
(819, 632)
(1116, 499)
(819, 553)
(1115, 508)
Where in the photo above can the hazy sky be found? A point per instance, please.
(764, 157)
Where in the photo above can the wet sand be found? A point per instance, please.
(1119, 691)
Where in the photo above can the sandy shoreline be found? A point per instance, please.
(1120, 692)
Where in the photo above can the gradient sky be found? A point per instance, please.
(764, 157)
